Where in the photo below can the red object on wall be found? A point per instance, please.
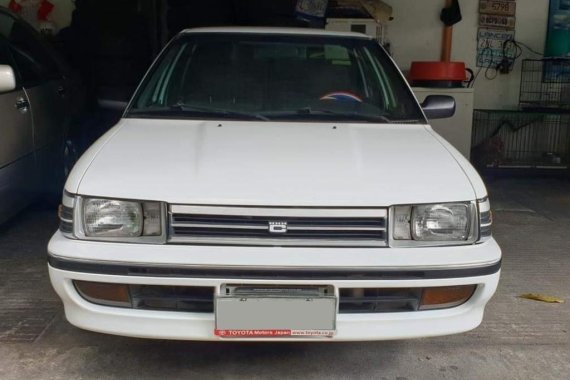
(44, 9)
(14, 6)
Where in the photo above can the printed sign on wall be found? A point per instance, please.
(497, 20)
(495, 7)
(490, 46)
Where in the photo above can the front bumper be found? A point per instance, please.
(75, 260)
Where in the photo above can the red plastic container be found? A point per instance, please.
(437, 74)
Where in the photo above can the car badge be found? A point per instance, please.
(277, 227)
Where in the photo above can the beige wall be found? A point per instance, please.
(415, 34)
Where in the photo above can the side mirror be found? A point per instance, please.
(439, 106)
(7, 79)
(114, 98)
(112, 105)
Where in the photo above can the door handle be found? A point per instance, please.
(22, 105)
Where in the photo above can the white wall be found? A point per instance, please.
(415, 35)
(61, 14)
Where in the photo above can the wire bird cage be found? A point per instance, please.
(545, 84)
(519, 139)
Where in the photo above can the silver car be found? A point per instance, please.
(39, 101)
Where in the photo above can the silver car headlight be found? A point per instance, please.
(434, 224)
(113, 219)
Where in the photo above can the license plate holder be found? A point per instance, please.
(245, 311)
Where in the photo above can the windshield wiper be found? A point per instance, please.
(217, 111)
(205, 111)
(341, 115)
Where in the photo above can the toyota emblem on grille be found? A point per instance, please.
(277, 227)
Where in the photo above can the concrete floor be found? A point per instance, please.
(519, 339)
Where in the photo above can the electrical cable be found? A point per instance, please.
(508, 61)
(511, 51)
(529, 48)
(488, 67)
(472, 83)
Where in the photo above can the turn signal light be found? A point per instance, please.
(445, 296)
(104, 293)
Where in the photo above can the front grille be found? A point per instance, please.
(201, 299)
(277, 226)
(364, 300)
(195, 299)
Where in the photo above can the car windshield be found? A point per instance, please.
(275, 77)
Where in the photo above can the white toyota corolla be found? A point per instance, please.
(275, 184)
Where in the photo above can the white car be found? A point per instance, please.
(275, 184)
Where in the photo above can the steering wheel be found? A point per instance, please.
(342, 96)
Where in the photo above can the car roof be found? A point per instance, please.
(274, 30)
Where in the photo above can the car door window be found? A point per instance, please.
(5, 58)
(33, 62)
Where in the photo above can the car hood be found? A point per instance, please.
(271, 163)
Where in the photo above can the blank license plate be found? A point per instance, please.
(265, 312)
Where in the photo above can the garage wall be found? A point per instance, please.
(61, 14)
(415, 34)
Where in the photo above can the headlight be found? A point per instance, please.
(447, 222)
(112, 220)
(435, 224)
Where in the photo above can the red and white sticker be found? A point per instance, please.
(273, 333)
